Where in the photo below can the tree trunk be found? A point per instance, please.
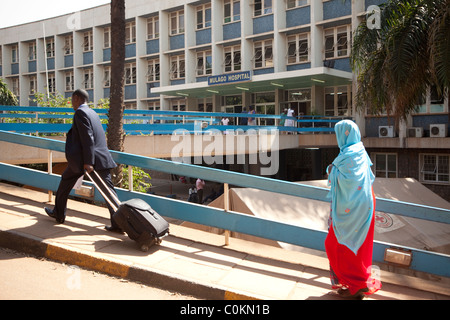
(115, 131)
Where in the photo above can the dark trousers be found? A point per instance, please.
(68, 180)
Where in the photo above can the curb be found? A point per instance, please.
(92, 261)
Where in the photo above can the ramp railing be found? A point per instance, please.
(421, 260)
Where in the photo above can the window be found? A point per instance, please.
(130, 32)
(14, 54)
(298, 49)
(153, 28)
(232, 59)
(68, 45)
(177, 22)
(203, 16)
(15, 87)
(32, 51)
(107, 38)
(232, 11)
(204, 63)
(153, 72)
(385, 165)
(153, 105)
(88, 82)
(33, 85)
(262, 7)
(337, 102)
(130, 73)
(51, 83)
(88, 44)
(436, 100)
(263, 57)
(177, 67)
(265, 104)
(50, 47)
(337, 42)
(296, 3)
(69, 81)
(435, 168)
(107, 77)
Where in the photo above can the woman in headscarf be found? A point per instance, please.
(349, 243)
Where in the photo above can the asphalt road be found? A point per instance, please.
(24, 277)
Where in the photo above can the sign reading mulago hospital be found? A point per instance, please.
(230, 78)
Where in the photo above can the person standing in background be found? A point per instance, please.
(200, 184)
(349, 243)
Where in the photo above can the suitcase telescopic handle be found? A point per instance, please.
(111, 198)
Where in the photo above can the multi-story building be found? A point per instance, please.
(222, 56)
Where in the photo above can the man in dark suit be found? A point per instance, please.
(86, 150)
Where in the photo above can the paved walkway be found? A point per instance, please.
(188, 261)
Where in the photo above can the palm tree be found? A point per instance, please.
(409, 53)
(115, 133)
(6, 96)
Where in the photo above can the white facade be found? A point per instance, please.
(282, 43)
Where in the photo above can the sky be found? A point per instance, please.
(16, 12)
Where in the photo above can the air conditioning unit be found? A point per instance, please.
(415, 132)
(386, 131)
(438, 130)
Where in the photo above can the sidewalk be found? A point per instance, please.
(188, 261)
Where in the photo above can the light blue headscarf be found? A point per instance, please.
(351, 187)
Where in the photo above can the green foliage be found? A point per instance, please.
(7, 98)
(141, 179)
(398, 62)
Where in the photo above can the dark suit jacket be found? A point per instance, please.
(86, 142)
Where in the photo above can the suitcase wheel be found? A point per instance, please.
(146, 246)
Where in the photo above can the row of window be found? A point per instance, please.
(336, 45)
(433, 168)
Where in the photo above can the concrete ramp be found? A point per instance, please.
(314, 214)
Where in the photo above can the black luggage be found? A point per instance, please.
(136, 217)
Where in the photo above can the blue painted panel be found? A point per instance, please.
(424, 121)
(263, 24)
(106, 92)
(68, 61)
(149, 89)
(130, 92)
(51, 63)
(263, 71)
(177, 42)
(32, 66)
(232, 30)
(153, 46)
(299, 66)
(14, 68)
(203, 36)
(336, 8)
(1, 70)
(107, 54)
(88, 57)
(373, 2)
(298, 16)
(31, 102)
(176, 82)
(130, 50)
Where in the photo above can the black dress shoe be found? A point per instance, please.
(51, 214)
(114, 229)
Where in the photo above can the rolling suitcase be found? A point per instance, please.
(136, 217)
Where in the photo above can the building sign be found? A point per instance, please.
(230, 78)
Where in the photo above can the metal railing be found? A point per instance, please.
(37, 120)
(424, 261)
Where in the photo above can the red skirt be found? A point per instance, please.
(351, 271)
